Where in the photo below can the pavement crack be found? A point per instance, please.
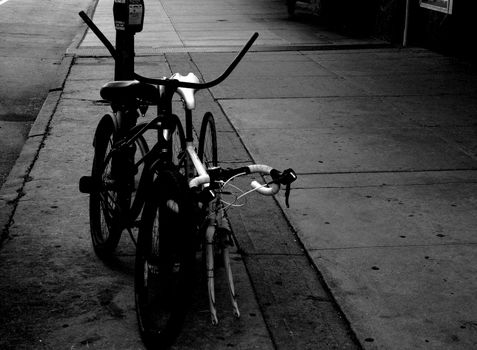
(395, 246)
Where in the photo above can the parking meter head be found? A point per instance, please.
(128, 15)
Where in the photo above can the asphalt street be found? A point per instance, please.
(33, 41)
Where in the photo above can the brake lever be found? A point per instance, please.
(284, 178)
(288, 176)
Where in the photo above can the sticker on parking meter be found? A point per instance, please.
(135, 14)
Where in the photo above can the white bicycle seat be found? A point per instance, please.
(187, 94)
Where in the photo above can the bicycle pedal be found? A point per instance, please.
(88, 185)
(173, 206)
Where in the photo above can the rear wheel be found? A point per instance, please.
(208, 142)
(164, 260)
(178, 145)
(110, 201)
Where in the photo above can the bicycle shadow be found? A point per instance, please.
(122, 260)
(248, 331)
(198, 331)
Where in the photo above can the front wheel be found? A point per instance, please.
(178, 145)
(208, 142)
(164, 260)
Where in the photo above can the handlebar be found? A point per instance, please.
(269, 190)
(170, 82)
(278, 178)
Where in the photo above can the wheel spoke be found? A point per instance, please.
(110, 204)
(208, 142)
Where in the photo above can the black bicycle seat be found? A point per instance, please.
(121, 91)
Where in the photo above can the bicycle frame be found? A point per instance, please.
(160, 153)
(215, 225)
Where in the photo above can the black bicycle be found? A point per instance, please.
(175, 191)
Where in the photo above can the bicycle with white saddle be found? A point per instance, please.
(178, 190)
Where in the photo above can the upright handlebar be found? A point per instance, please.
(166, 82)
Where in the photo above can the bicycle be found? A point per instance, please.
(175, 189)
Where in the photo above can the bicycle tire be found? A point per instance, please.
(207, 153)
(107, 205)
(164, 260)
(178, 146)
(208, 141)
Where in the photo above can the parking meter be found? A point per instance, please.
(128, 20)
(128, 15)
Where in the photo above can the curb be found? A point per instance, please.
(12, 189)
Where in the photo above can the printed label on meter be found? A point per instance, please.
(135, 14)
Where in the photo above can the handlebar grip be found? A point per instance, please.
(266, 170)
(266, 191)
(234, 63)
(279, 178)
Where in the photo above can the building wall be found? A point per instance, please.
(389, 21)
(355, 17)
(449, 33)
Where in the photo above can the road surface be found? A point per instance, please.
(33, 40)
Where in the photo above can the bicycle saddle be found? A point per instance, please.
(187, 94)
(124, 90)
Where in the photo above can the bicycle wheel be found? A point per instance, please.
(208, 141)
(178, 145)
(108, 205)
(164, 260)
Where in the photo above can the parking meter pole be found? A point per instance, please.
(124, 65)
(128, 20)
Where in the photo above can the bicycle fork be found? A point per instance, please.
(218, 234)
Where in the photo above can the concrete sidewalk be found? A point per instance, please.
(385, 206)
(212, 26)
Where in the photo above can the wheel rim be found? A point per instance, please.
(208, 157)
(178, 147)
(106, 199)
(208, 142)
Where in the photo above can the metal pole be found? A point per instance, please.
(406, 25)
(124, 65)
